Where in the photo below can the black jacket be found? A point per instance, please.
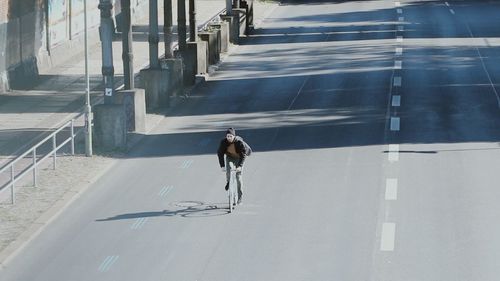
(239, 147)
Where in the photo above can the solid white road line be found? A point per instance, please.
(398, 64)
(395, 123)
(399, 51)
(398, 4)
(391, 189)
(397, 81)
(396, 100)
(388, 236)
(393, 152)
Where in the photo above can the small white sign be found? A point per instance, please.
(109, 92)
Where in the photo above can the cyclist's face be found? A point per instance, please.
(230, 138)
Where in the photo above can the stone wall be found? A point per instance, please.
(21, 37)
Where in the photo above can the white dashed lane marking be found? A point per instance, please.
(394, 123)
(393, 152)
(391, 189)
(400, 11)
(401, 19)
(451, 11)
(398, 64)
(396, 100)
(399, 51)
(388, 236)
(399, 39)
(397, 81)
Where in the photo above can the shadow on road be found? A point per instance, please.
(187, 209)
(339, 91)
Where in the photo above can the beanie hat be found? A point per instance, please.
(231, 131)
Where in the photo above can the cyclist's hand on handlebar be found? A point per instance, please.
(238, 169)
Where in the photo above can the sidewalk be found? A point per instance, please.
(26, 116)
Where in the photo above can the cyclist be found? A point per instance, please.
(236, 151)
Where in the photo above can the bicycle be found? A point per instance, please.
(232, 193)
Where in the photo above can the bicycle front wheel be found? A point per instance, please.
(230, 195)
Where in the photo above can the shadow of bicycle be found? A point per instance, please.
(186, 209)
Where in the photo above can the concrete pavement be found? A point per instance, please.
(345, 183)
(28, 115)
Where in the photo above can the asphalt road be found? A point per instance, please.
(374, 126)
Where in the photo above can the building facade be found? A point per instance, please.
(36, 34)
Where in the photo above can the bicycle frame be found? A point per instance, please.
(232, 192)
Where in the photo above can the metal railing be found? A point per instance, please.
(214, 19)
(32, 154)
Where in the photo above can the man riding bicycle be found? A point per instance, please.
(236, 151)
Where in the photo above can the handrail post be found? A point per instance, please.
(34, 167)
(54, 146)
(72, 137)
(12, 196)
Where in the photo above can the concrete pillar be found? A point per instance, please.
(154, 82)
(248, 6)
(224, 35)
(134, 103)
(241, 19)
(195, 60)
(212, 38)
(174, 77)
(154, 37)
(106, 31)
(229, 7)
(153, 79)
(234, 27)
(127, 53)
(110, 128)
(181, 25)
(193, 29)
(168, 29)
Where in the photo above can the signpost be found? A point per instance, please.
(88, 108)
